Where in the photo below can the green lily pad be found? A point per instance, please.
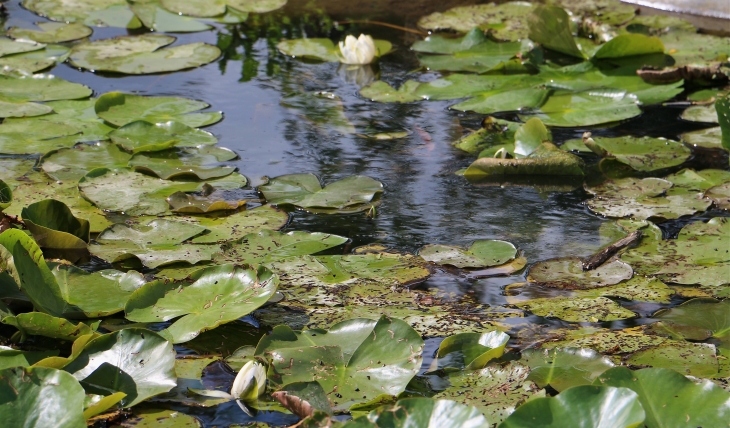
(343, 367)
(218, 295)
(141, 136)
(669, 398)
(44, 87)
(483, 253)
(134, 193)
(105, 365)
(550, 26)
(700, 113)
(143, 54)
(470, 351)
(562, 368)
(576, 309)
(595, 107)
(10, 47)
(54, 226)
(237, 225)
(70, 164)
(691, 48)
(567, 272)
(200, 162)
(384, 93)
(638, 288)
(189, 371)
(351, 194)
(645, 153)
(547, 159)
(99, 13)
(422, 412)
(204, 8)
(10, 357)
(120, 109)
(695, 359)
(694, 257)
(494, 132)
(581, 406)
(41, 324)
(611, 12)
(511, 100)
(6, 195)
(626, 45)
(507, 21)
(160, 418)
(181, 202)
(37, 397)
(268, 246)
(720, 195)
(155, 244)
(156, 18)
(51, 32)
(76, 115)
(479, 388)
(26, 138)
(706, 314)
(322, 49)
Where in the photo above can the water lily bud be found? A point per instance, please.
(250, 382)
(358, 51)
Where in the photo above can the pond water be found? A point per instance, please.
(275, 132)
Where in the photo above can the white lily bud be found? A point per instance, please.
(250, 382)
(358, 51)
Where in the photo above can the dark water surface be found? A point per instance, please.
(275, 133)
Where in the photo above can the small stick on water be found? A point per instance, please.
(600, 257)
(383, 24)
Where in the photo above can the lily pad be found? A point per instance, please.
(237, 225)
(201, 162)
(644, 154)
(157, 18)
(470, 351)
(54, 226)
(160, 418)
(70, 164)
(587, 108)
(581, 406)
(720, 195)
(143, 54)
(695, 359)
(422, 412)
(706, 314)
(722, 105)
(204, 8)
(105, 365)
(155, 244)
(6, 195)
(344, 367)
(268, 246)
(120, 109)
(700, 113)
(483, 253)
(493, 133)
(507, 21)
(638, 288)
(550, 26)
(322, 49)
(510, 100)
(19, 92)
(51, 32)
(181, 202)
(568, 273)
(140, 136)
(10, 47)
(99, 13)
(562, 368)
(709, 138)
(384, 93)
(189, 371)
(547, 159)
(41, 324)
(218, 295)
(10, 357)
(76, 115)
(351, 194)
(37, 397)
(576, 309)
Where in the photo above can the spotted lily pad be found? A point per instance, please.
(77, 115)
(157, 18)
(506, 21)
(143, 54)
(483, 253)
(181, 202)
(351, 194)
(547, 159)
(217, 295)
(100, 13)
(643, 154)
(204, 8)
(237, 225)
(568, 273)
(70, 164)
(562, 368)
(695, 359)
(51, 32)
(268, 246)
(573, 109)
(120, 109)
(201, 162)
(576, 309)
(140, 136)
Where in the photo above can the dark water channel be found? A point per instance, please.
(424, 201)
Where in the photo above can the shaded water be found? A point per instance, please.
(275, 131)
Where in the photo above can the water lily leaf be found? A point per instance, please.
(218, 295)
(476, 388)
(51, 32)
(204, 8)
(638, 288)
(189, 371)
(105, 365)
(691, 258)
(10, 357)
(550, 26)
(343, 367)
(706, 314)
(134, 193)
(645, 153)
(54, 226)
(10, 109)
(470, 351)
(482, 253)
(506, 21)
(157, 243)
(700, 113)
(323, 49)
(6, 195)
(37, 397)
(581, 406)
(466, 85)
(695, 359)
(99, 13)
(351, 194)
(193, 204)
(237, 225)
(156, 18)
(10, 47)
(120, 109)
(143, 54)
(691, 48)
(493, 133)
(201, 162)
(72, 114)
(669, 397)
(720, 195)
(13, 170)
(268, 246)
(568, 273)
(629, 45)
(422, 412)
(436, 44)
(562, 368)
(710, 138)
(44, 87)
(41, 324)
(593, 107)
(160, 418)
(25, 138)
(547, 159)
(513, 100)
(70, 164)
(576, 309)
(140, 136)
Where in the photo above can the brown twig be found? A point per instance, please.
(600, 257)
(383, 24)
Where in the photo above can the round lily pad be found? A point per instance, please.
(52, 32)
(644, 154)
(568, 273)
(140, 136)
(506, 21)
(99, 13)
(120, 109)
(483, 253)
(74, 162)
(206, 8)
(573, 109)
(577, 309)
(268, 246)
(200, 162)
(157, 18)
(562, 368)
(76, 114)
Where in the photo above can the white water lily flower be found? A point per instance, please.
(358, 51)
(250, 382)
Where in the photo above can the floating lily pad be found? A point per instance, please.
(470, 351)
(140, 136)
(218, 295)
(576, 309)
(42, 324)
(339, 359)
(324, 49)
(483, 253)
(700, 113)
(644, 154)
(120, 109)
(638, 288)
(691, 48)
(268, 246)
(237, 225)
(74, 162)
(189, 371)
(161, 418)
(181, 202)
(423, 412)
(156, 18)
(720, 195)
(698, 255)
(478, 388)
(157, 243)
(6, 195)
(51, 32)
(384, 93)
(143, 54)
(722, 105)
(562, 368)
(568, 273)
(27, 138)
(580, 406)
(595, 107)
(626, 45)
(695, 359)
(42, 396)
(705, 314)
(78, 115)
(550, 26)
(201, 162)
(18, 92)
(54, 226)
(204, 8)
(351, 194)
(104, 365)
(99, 13)
(510, 100)
(507, 21)
(10, 47)
(547, 159)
